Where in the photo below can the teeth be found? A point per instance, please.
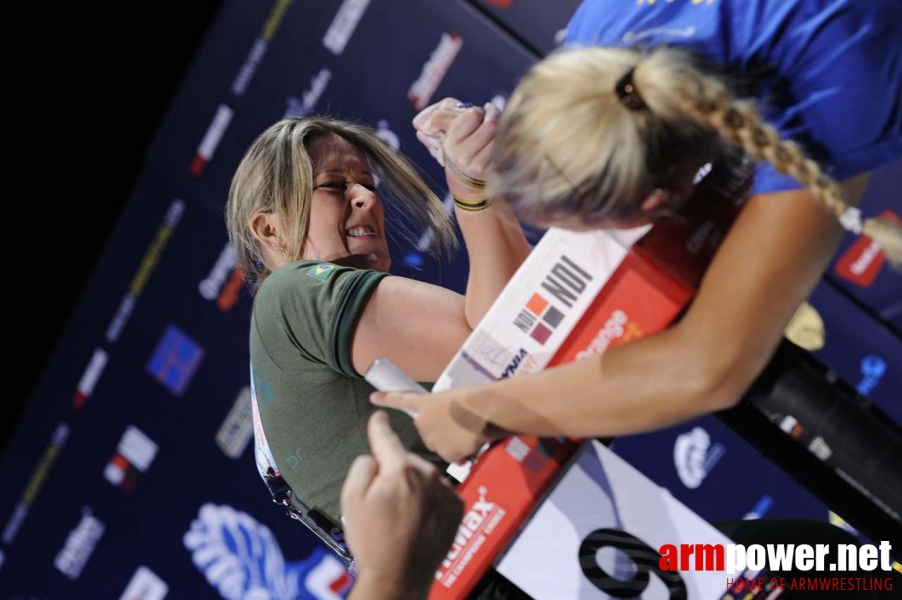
(360, 231)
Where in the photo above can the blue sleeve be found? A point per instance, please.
(836, 88)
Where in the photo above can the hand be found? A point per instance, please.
(446, 426)
(400, 517)
(461, 140)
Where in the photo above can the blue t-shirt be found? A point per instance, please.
(826, 73)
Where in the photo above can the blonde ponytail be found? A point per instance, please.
(589, 133)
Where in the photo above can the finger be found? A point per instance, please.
(491, 111)
(408, 402)
(483, 158)
(423, 115)
(361, 474)
(387, 448)
(482, 135)
(464, 125)
(441, 120)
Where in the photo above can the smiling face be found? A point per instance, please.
(347, 221)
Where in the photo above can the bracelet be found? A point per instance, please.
(470, 205)
(463, 177)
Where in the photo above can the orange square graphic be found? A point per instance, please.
(537, 304)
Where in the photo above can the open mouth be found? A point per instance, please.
(361, 231)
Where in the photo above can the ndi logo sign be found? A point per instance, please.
(565, 282)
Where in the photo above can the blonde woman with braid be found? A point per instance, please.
(607, 137)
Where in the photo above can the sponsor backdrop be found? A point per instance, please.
(131, 475)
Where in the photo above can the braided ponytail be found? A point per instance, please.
(671, 87)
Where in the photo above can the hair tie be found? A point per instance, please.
(627, 93)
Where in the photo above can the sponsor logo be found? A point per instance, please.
(612, 330)
(321, 272)
(695, 456)
(211, 139)
(477, 524)
(434, 70)
(343, 25)
(57, 441)
(258, 50)
(145, 585)
(820, 448)
(790, 425)
(241, 558)
(238, 427)
(872, 370)
(497, 361)
(760, 509)
(298, 107)
(249, 68)
(565, 282)
(89, 378)
(862, 262)
(170, 222)
(511, 369)
(175, 360)
(79, 545)
(224, 282)
(134, 454)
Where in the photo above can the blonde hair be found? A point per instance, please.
(567, 144)
(276, 176)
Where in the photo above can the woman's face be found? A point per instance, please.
(347, 223)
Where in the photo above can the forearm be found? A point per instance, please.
(647, 384)
(496, 247)
(380, 586)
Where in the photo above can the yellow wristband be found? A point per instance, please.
(470, 205)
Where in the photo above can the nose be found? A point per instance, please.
(363, 197)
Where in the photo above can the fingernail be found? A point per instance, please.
(376, 397)
(381, 415)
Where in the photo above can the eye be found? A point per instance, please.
(334, 185)
(370, 186)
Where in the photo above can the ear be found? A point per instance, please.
(265, 228)
(657, 200)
